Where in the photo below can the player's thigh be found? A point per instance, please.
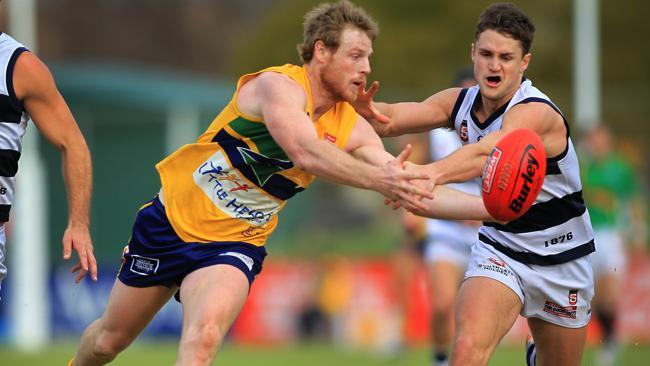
(557, 345)
(446, 277)
(213, 295)
(607, 291)
(486, 310)
(130, 309)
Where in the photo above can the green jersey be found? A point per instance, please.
(609, 185)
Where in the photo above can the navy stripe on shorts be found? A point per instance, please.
(157, 256)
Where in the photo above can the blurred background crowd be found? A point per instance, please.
(144, 77)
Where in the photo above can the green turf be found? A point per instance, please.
(314, 355)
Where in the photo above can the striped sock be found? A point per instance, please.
(531, 354)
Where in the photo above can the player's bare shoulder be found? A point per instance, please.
(544, 120)
(444, 101)
(268, 88)
(31, 76)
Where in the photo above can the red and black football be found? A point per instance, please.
(513, 174)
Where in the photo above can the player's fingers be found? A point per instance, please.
(415, 176)
(92, 264)
(373, 89)
(418, 191)
(413, 201)
(404, 154)
(67, 247)
(414, 204)
(83, 258)
(80, 276)
(379, 117)
(76, 267)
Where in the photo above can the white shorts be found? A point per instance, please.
(609, 257)
(559, 294)
(449, 241)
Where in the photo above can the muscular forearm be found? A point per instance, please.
(373, 155)
(77, 173)
(462, 165)
(329, 162)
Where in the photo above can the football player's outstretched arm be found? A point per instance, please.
(452, 204)
(395, 119)
(280, 102)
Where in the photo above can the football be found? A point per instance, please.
(513, 174)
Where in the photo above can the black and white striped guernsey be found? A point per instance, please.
(557, 228)
(13, 122)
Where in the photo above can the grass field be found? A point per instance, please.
(314, 355)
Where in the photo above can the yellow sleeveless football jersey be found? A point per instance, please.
(231, 183)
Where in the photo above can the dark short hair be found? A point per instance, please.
(464, 74)
(508, 19)
(327, 21)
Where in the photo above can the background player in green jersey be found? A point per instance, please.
(615, 202)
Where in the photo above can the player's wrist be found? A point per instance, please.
(78, 223)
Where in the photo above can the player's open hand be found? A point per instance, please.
(77, 238)
(425, 185)
(401, 188)
(365, 105)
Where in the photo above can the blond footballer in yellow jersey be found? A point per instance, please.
(203, 238)
(230, 184)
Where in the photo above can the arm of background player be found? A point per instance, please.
(281, 104)
(394, 119)
(35, 87)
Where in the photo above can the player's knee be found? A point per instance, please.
(108, 346)
(469, 350)
(207, 338)
(443, 308)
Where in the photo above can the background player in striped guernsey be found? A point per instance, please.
(539, 264)
(448, 243)
(204, 235)
(444, 245)
(28, 91)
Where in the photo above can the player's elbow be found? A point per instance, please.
(385, 130)
(301, 158)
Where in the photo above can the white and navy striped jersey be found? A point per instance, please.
(557, 228)
(13, 122)
(443, 142)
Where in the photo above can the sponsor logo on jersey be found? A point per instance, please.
(143, 265)
(463, 132)
(490, 167)
(232, 193)
(573, 297)
(330, 138)
(263, 166)
(248, 261)
(560, 311)
(237, 182)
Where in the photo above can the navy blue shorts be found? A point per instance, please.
(157, 256)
